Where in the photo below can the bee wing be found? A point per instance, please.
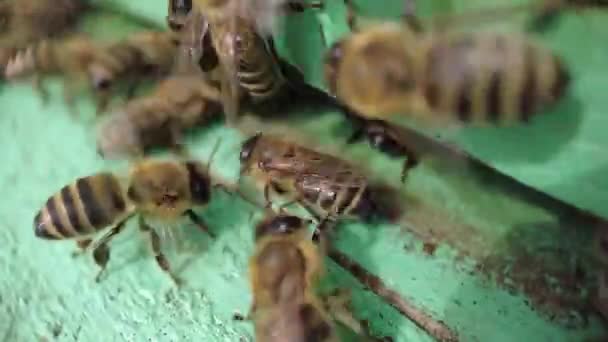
(191, 47)
(230, 67)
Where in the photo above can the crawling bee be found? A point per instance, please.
(156, 190)
(284, 270)
(393, 68)
(159, 119)
(248, 60)
(141, 54)
(328, 187)
(83, 60)
(70, 57)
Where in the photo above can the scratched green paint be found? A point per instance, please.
(44, 292)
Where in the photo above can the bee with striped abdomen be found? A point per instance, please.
(155, 190)
(70, 57)
(179, 103)
(247, 58)
(328, 187)
(483, 77)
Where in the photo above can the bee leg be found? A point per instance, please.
(300, 6)
(69, 89)
(82, 246)
(101, 252)
(351, 15)
(101, 255)
(410, 162)
(338, 304)
(103, 100)
(161, 260)
(40, 89)
(268, 203)
(199, 222)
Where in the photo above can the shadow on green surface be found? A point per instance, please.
(533, 143)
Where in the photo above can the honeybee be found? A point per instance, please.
(391, 68)
(328, 187)
(69, 56)
(159, 119)
(141, 54)
(284, 271)
(246, 57)
(158, 190)
(82, 59)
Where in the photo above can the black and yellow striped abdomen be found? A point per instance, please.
(259, 75)
(81, 208)
(492, 78)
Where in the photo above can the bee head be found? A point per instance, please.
(332, 60)
(160, 188)
(279, 225)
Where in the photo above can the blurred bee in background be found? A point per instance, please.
(84, 61)
(328, 187)
(143, 54)
(163, 191)
(284, 271)
(70, 57)
(483, 77)
(247, 58)
(157, 120)
(24, 22)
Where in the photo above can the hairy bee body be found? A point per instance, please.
(328, 186)
(239, 46)
(139, 54)
(70, 56)
(284, 270)
(162, 191)
(82, 208)
(464, 77)
(158, 120)
(159, 189)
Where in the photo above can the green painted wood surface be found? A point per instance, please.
(44, 292)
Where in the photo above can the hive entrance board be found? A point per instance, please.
(469, 250)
